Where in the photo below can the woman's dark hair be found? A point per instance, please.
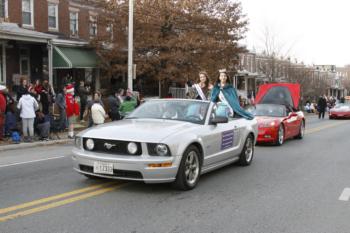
(127, 98)
(228, 80)
(207, 81)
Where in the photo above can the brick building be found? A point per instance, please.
(47, 39)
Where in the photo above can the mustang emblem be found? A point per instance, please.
(109, 146)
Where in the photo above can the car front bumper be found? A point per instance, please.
(128, 167)
(267, 135)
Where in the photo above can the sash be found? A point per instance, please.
(200, 91)
(223, 99)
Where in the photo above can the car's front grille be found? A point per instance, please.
(113, 147)
(116, 173)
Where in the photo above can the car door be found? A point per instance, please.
(291, 124)
(221, 140)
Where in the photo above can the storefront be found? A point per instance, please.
(24, 54)
(74, 62)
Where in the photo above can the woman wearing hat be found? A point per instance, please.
(201, 89)
(223, 91)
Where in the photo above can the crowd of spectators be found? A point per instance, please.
(34, 111)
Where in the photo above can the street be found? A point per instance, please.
(302, 186)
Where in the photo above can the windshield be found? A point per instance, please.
(179, 110)
(269, 110)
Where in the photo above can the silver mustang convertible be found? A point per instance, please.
(168, 140)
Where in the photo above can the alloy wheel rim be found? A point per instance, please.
(302, 129)
(192, 167)
(280, 135)
(249, 150)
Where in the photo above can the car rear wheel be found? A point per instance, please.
(189, 170)
(280, 136)
(247, 154)
(301, 131)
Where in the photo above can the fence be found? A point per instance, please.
(178, 92)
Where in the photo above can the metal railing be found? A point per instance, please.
(178, 92)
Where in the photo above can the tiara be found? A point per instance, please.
(222, 71)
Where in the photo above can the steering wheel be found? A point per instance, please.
(194, 117)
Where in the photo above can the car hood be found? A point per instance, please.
(266, 119)
(140, 130)
(341, 109)
(279, 93)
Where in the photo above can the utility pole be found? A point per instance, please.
(130, 44)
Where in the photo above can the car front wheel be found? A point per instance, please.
(301, 131)
(189, 170)
(280, 136)
(247, 153)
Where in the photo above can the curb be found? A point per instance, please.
(34, 144)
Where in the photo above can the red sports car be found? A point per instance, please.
(277, 113)
(340, 111)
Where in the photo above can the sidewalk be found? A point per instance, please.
(56, 139)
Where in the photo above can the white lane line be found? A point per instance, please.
(345, 195)
(33, 161)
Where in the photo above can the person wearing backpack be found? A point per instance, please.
(27, 106)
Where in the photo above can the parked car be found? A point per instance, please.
(166, 140)
(340, 111)
(277, 112)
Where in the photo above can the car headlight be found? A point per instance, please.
(267, 124)
(161, 150)
(158, 149)
(78, 141)
(132, 148)
(90, 144)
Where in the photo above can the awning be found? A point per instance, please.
(73, 57)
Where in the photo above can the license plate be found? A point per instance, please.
(103, 168)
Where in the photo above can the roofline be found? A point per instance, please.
(69, 43)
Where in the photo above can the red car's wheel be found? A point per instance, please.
(280, 136)
(301, 131)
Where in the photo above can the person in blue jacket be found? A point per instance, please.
(223, 91)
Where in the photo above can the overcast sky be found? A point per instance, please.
(317, 31)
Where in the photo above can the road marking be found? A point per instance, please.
(314, 130)
(60, 203)
(345, 195)
(53, 198)
(32, 161)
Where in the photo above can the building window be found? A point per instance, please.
(93, 26)
(73, 17)
(24, 62)
(53, 16)
(27, 12)
(3, 9)
(109, 30)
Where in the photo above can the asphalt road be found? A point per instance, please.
(299, 187)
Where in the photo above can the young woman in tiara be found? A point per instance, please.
(224, 92)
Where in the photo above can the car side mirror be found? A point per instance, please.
(219, 120)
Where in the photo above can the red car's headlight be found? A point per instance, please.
(267, 124)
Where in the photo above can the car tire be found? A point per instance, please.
(301, 131)
(189, 170)
(247, 154)
(280, 136)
